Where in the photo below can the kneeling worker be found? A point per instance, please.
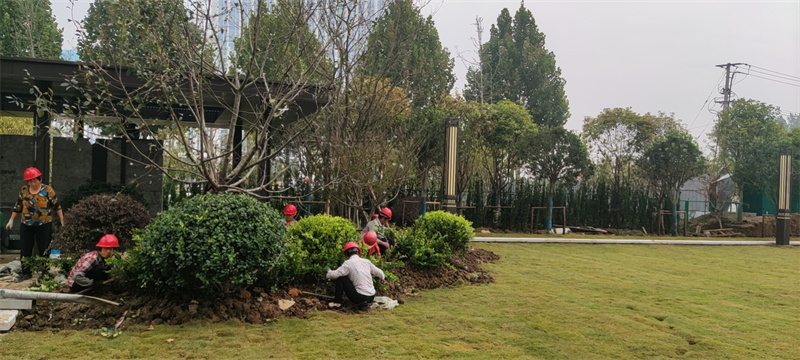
(354, 278)
(91, 268)
(382, 221)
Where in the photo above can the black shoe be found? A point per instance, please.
(363, 307)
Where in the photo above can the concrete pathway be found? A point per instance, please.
(587, 240)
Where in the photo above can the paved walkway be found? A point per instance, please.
(587, 240)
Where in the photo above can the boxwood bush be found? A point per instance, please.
(416, 247)
(211, 242)
(455, 231)
(95, 216)
(314, 243)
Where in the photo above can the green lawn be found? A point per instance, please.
(622, 237)
(549, 301)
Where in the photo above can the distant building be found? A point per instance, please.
(70, 55)
(230, 19)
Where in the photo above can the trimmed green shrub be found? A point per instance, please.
(211, 242)
(95, 216)
(97, 188)
(416, 247)
(65, 264)
(314, 243)
(455, 231)
(37, 264)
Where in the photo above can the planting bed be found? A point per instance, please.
(255, 306)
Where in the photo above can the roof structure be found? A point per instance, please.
(18, 75)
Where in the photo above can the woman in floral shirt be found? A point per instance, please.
(37, 202)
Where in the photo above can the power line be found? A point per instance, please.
(776, 76)
(777, 81)
(716, 86)
(792, 76)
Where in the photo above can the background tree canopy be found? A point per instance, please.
(516, 66)
(28, 29)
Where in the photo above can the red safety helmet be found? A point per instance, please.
(387, 213)
(31, 173)
(370, 238)
(351, 245)
(289, 210)
(108, 241)
(374, 216)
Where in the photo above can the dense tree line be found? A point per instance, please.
(386, 81)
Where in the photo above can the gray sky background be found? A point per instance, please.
(648, 55)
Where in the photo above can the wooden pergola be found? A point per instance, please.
(19, 75)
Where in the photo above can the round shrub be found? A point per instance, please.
(97, 188)
(211, 242)
(456, 231)
(314, 243)
(95, 216)
(415, 247)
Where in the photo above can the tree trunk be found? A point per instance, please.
(674, 218)
(674, 197)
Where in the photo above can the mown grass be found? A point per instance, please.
(623, 237)
(549, 301)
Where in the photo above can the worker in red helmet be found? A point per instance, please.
(354, 279)
(289, 212)
(370, 238)
(377, 224)
(91, 269)
(37, 203)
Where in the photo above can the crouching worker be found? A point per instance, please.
(354, 278)
(91, 268)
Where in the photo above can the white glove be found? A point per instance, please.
(10, 224)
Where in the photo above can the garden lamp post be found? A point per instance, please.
(450, 157)
(784, 194)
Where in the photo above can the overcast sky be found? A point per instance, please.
(648, 55)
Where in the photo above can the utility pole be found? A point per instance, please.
(726, 92)
(726, 103)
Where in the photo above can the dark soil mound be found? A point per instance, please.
(256, 306)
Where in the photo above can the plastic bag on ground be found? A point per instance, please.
(384, 303)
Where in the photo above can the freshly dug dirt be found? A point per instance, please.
(254, 306)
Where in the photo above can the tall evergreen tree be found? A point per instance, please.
(404, 46)
(144, 33)
(29, 29)
(516, 66)
(278, 44)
